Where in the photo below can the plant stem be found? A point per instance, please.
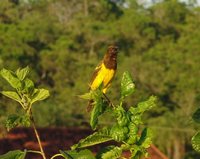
(56, 155)
(108, 100)
(37, 135)
(32, 151)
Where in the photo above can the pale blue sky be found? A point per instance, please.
(148, 2)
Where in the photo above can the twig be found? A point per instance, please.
(108, 100)
(32, 151)
(56, 155)
(37, 135)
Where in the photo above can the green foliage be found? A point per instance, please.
(15, 120)
(196, 116)
(13, 95)
(39, 94)
(16, 154)
(196, 138)
(110, 152)
(25, 94)
(96, 138)
(146, 138)
(98, 109)
(144, 106)
(125, 130)
(83, 154)
(11, 78)
(22, 73)
(127, 85)
(196, 141)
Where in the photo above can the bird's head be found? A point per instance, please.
(112, 52)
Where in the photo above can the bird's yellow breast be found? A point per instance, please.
(104, 76)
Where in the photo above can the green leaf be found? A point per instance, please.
(25, 120)
(196, 116)
(40, 94)
(66, 155)
(119, 133)
(11, 78)
(133, 133)
(110, 152)
(12, 121)
(146, 138)
(144, 106)
(15, 120)
(122, 116)
(12, 95)
(83, 154)
(96, 112)
(196, 141)
(22, 73)
(127, 85)
(29, 85)
(135, 152)
(17, 154)
(98, 109)
(86, 96)
(95, 138)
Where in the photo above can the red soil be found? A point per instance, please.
(53, 140)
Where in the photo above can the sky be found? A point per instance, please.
(148, 2)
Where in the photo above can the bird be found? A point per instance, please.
(104, 72)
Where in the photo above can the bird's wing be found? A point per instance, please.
(95, 74)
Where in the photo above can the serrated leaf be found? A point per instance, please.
(40, 94)
(196, 141)
(11, 78)
(111, 152)
(12, 95)
(196, 116)
(17, 154)
(22, 73)
(122, 116)
(94, 139)
(83, 154)
(144, 106)
(98, 109)
(119, 133)
(127, 85)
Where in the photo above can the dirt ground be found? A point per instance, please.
(53, 140)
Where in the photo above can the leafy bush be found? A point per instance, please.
(25, 94)
(126, 131)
